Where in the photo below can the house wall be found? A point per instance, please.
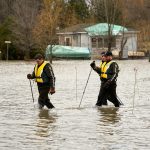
(76, 38)
(118, 42)
(79, 39)
(84, 40)
(63, 39)
(131, 44)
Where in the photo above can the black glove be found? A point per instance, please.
(107, 84)
(93, 64)
(29, 76)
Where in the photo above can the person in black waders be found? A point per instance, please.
(44, 76)
(98, 70)
(108, 74)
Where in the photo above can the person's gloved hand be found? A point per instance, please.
(93, 64)
(107, 84)
(29, 76)
(52, 90)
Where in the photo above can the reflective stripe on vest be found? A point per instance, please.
(104, 69)
(38, 72)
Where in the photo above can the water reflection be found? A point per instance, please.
(45, 125)
(109, 115)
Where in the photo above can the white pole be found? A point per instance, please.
(7, 51)
(76, 84)
(135, 70)
(7, 42)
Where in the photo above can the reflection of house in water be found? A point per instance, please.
(95, 38)
(45, 124)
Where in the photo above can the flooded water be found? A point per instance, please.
(24, 127)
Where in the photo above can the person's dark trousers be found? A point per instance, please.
(112, 94)
(104, 102)
(102, 97)
(108, 93)
(43, 97)
(105, 99)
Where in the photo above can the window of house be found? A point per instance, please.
(113, 42)
(68, 41)
(105, 42)
(100, 42)
(94, 41)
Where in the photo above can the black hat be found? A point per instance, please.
(102, 53)
(108, 53)
(38, 56)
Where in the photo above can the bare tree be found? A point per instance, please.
(111, 7)
(107, 11)
(24, 13)
(112, 12)
(5, 8)
(124, 20)
(47, 24)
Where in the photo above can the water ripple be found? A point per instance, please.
(24, 127)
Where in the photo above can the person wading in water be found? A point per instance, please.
(98, 70)
(108, 74)
(44, 76)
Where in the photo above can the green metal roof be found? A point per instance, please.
(102, 29)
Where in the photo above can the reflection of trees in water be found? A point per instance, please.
(45, 124)
(109, 115)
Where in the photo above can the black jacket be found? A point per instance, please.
(47, 76)
(112, 72)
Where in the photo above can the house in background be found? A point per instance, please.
(74, 36)
(94, 37)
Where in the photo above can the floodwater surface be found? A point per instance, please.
(67, 127)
